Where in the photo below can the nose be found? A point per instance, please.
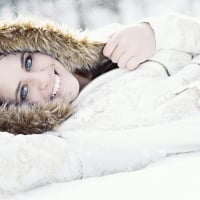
(39, 84)
(40, 79)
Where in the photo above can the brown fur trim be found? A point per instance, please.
(68, 47)
(73, 50)
(29, 119)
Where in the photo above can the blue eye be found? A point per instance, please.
(24, 93)
(28, 63)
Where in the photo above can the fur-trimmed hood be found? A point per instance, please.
(70, 48)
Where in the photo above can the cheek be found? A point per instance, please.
(34, 96)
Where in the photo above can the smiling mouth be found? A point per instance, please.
(56, 85)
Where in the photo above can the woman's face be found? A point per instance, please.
(35, 78)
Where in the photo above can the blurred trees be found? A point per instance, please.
(13, 5)
(95, 13)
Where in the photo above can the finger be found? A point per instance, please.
(109, 48)
(122, 62)
(132, 63)
(117, 53)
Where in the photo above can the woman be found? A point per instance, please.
(101, 137)
(46, 50)
(46, 67)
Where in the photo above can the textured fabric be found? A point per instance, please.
(143, 97)
(176, 31)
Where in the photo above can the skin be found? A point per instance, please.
(131, 46)
(36, 73)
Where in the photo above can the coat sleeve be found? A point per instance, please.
(34, 160)
(176, 31)
(110, 151)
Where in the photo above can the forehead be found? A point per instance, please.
(8, 60)
(10, 71)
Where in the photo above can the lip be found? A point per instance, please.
(53, 86)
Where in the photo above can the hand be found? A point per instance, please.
(131, 46)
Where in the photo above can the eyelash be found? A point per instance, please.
(27, 66)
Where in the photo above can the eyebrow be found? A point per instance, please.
(17, 90)
(22, 60)
(19, 84)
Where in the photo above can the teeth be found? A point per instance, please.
(56, 85)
